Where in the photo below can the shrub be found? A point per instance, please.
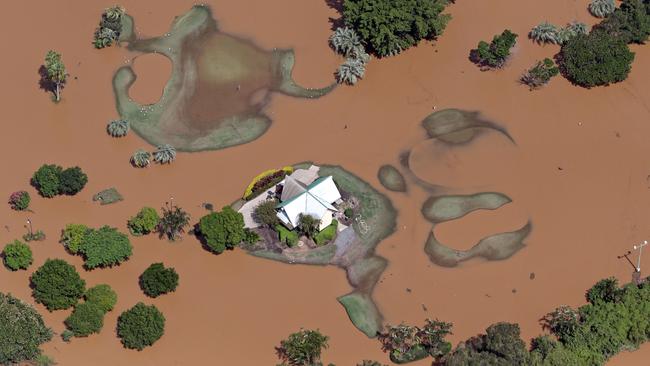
(57, 285)
(495, 53)
(563, 322)
(544, 33)
(17, 255)
(630, 22)
(349, 213)
(391, 26)
(102, 296)
(19, 200)
(345, 41)
(250, 236)
(144, 222)
(73, 237)
(540, 74)
(110, 27)
(303, 347)
(287, 236)
(86, 318)
(72, 181)
(308, 225)
(265, 213)
(47, 180)
(265, 180)
(502, 345)
(602, 8)
(222, 230)
(604, 290)
(164, 154)
(141, 159)
(327, 234)
(117, 128)
(596, 59)
(105, 247)
(173, 222)
(37, 235)
(22, 331)
(140, 326)
(67, 335)
(158, 280)
(350, 71)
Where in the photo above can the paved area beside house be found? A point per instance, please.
(249, 207)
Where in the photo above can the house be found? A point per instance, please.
(316, 199)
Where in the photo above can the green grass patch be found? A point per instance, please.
(287, 236)
(363, 312)
(327, 234)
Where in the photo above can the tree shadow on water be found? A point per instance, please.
(338, 6)
(44, 82)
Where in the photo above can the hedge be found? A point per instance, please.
(287, 236)
(254, 188)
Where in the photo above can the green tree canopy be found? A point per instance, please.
(73, 237)
(105, 247)
(57, 285)
(103, 296)
(265, 213)
(630, 22)
(140, 326)
(173, 222)
(22, 331)
(388, 27)
(72, 181)
(17, 255)
(86, 318)
(47, 180)
(308, 225)
(222, 230)
(302, 348)
(495, 53)
(56, 73)
(158, 280)
(144, 222)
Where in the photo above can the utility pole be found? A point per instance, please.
(31, 231)
(640, 248)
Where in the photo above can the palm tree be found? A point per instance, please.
(173, 222)
(350, 71)
(602, 8)
(544, 33)
(117, 128)
(571, 30)
(308, 225)
(345, 41)
(141, 158)
(164, 154)
(114, 13)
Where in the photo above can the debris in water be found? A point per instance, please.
(532, 275)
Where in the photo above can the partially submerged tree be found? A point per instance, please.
(17, 255)
(86, 318)
(19, 200)
(222, 230)
(345, 41)
(110, 27)
(602, 8)
(105, 247)
(495, 53)
(164, 154)
(57, 285)
(141, 326)
(72, 181)
(22, 331)
(144, 222)
(308, 225)
(55, 72)
(351, 71)
(630, 22)
(540, 74)
(118, 128)
(157, 280)
(302, 348)
(103, 296)
(544, 33)
(141, 158)
(173, 222)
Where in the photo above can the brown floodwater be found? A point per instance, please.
(233, 308)
(153, 72)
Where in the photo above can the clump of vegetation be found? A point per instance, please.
(86, 318)
(629, 23)
(290, 238)
(141, 326)
(158, 280)
(53, 74)
(302, 348)
(22, 330)
(57, 285)
(118, 128)
(501, 345)
(494, 54)
(141, 159)
(540, 74)
(17, 255)
(110, 27)
(350, 71)
(51, 180)
(544, 33)
(19, 200)
(596, 59)
(602, 8)
(407, 343)
(108, 196)
(222, 230)
(349, 213)
(265, 214)
(164, 154)
(265, 180)
(37, 235)
(345, 41)
(103, 247)
(144, 222)
(173, 223)
(72, 237)
(308, 225)
(388, 27)
(103, 296)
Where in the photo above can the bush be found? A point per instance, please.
(164, 154)
(17, 255)
(596, 59)
(86, 318)
(72, 181)
(540, 74)
(265, 180)
(47, 180)
(326, 234)
(67, 335)
(118, 128)
(73, 237)
(250, 236)
(602, 8)
(57, 285)
(110, 27)
(349, 213)
(158, 280)
(604, 291)
(222, 230)
(287, 236)
(350, 71)
(303, 347)
(544, 33)
(308, 225)
(140, 326)
(19, 201)
(495, 53)
(102, 296)
(105, 247)
(22, 331)
(144, 222)
(265, 213)
(173, 222)
(630, 22)
(390, 26)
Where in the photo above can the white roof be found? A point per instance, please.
(314, 200)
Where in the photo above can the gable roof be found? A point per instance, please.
(315, 199)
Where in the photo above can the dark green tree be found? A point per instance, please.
(72, 181)
(630, 22)
(302, 348)
(17, 255)
(105, 247)
(501, 345)
(57, 285)
(173, 223)
(308, 225)
(22, 331)
(495, 53)
(86, 318)
(103, 296)
(606, 290)
(265, 214)
(140, 326)
(158, 280)
(47, 179)
(596, 59)
(222, 230)
(388, 27)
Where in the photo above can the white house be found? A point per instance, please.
(315, 199)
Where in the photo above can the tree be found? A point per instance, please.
(345, 41)
(173, 222)
(110, 27)
(602, 8)
(72, 181)
(403, 343)
(22, 331)
(630, 22)
(141, 159)
(540, 74)
(563, 322)
(144, 222)
(350, 71)
(158, 280)
(302, 348)
(432, 337)
(544, 33)
(105, 247)
(502, 345)
(19, 200)
(103, 296)
(17, 255)
(73, 237)
(390, 26)
(596, 59)
(604, 290)
(86, 318)
(140, 326)
(308, 225)
(495, 53)
(265, 213)
(47, 179)
(222, 230)
(57, 285)
(56, 73)
(164, 154)
(117, 128)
